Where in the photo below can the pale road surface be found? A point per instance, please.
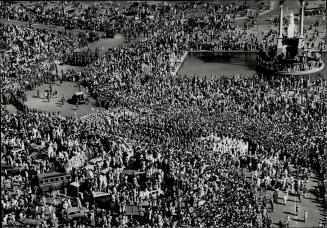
(313, 205)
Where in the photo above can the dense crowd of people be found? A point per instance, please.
(81, 57)
(185, 151)
(305, 62)
(142, 20)
(205, 30)
(107, 13)
(29, 62)
(169, 146)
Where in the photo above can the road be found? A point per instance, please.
(314, 206)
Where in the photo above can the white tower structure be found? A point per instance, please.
(291, 27)
(280, 37)
(301, 37)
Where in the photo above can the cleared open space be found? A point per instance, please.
(55, 105)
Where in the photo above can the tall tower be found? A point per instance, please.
(62, 8)
(280, 37)
(301, 37)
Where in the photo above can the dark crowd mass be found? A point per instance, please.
(169, 150)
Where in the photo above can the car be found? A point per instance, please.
(96, 161)
(75, 212)
(53, 180)
(10, 169)
(130, 172)
(153, 193)
(93, 162)
(93, 36)
(30, 222)
(89, 167)
(110, 34)
(16, 151)
(79, 98)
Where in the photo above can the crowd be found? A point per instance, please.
(205, 30)
(231, 41)
(307, 61)
(190, 140)
(81, 57)
(29, 60)
(197, 175)
(141, 20)
(108, 17)
(71, 13)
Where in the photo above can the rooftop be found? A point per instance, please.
(52, 174)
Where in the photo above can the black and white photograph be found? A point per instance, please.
(191, 114)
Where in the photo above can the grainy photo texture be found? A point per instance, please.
(163, 113)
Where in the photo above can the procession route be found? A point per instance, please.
(313, 204)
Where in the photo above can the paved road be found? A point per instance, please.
(314, 206)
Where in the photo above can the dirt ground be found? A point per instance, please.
(67, 89)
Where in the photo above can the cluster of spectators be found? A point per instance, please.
(307, 61)
(196, 162)
(135, 20)
(177, 148)
(29, 59)
(232, 41)
(81, 57)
